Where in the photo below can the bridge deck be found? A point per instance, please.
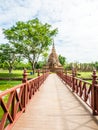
(55, 108)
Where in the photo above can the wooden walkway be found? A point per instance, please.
(54, 107)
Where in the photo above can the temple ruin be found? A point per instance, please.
(53, 63)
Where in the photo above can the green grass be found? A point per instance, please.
(85, 74)
(90, 81)
(6, 84)
(15, 74)
(1, 113)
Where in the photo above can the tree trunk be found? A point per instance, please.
(10, 70)
(33, 68)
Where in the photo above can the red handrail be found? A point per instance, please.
(88, 92)
(16, 100)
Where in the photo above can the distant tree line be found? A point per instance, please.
(82, 66)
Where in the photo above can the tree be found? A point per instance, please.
(45, 57)
(30, 38)
(62, 60)
(96, 65)
(7, 56)
(40, 64)
(21, 65)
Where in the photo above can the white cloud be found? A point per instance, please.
(13, 11)
(76, 20)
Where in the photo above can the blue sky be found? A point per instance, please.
(76, 20)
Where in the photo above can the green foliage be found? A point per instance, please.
(30, 38)
(96, 65)
(86, 67)
(68, 66)
(40, 64)
(22, 65)
(62, 60)
(82, 66)
(45, 56)
(8, 56)
(15, 74)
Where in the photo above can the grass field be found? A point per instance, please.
(6, 84)
(15, 74)
(85, 74)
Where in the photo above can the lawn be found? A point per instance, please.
(84, 74)
(15, 74)
(6, 84)
(87, 76)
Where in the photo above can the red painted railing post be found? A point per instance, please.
(66, 76)
(73, 76)
(24, 80)
(38, 78)
(43, 75)
(24, 97)
(38, 73)
(93, 92)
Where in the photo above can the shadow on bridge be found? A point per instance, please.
(55, 108)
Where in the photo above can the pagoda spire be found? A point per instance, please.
(53, 63)
(53, 47)
(53, 44)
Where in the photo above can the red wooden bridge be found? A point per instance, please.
(65, 103)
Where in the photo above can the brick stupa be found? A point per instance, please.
(53, 63)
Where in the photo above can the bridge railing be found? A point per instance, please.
(88, 92)
(13, 101)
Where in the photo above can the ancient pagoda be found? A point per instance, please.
(53, 63)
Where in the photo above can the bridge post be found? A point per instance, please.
(73, 76)
(38, 74)
(24, 97)
(66, 76)
(43, 75)
(38, 78)
(24, 80)
(93, 93)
